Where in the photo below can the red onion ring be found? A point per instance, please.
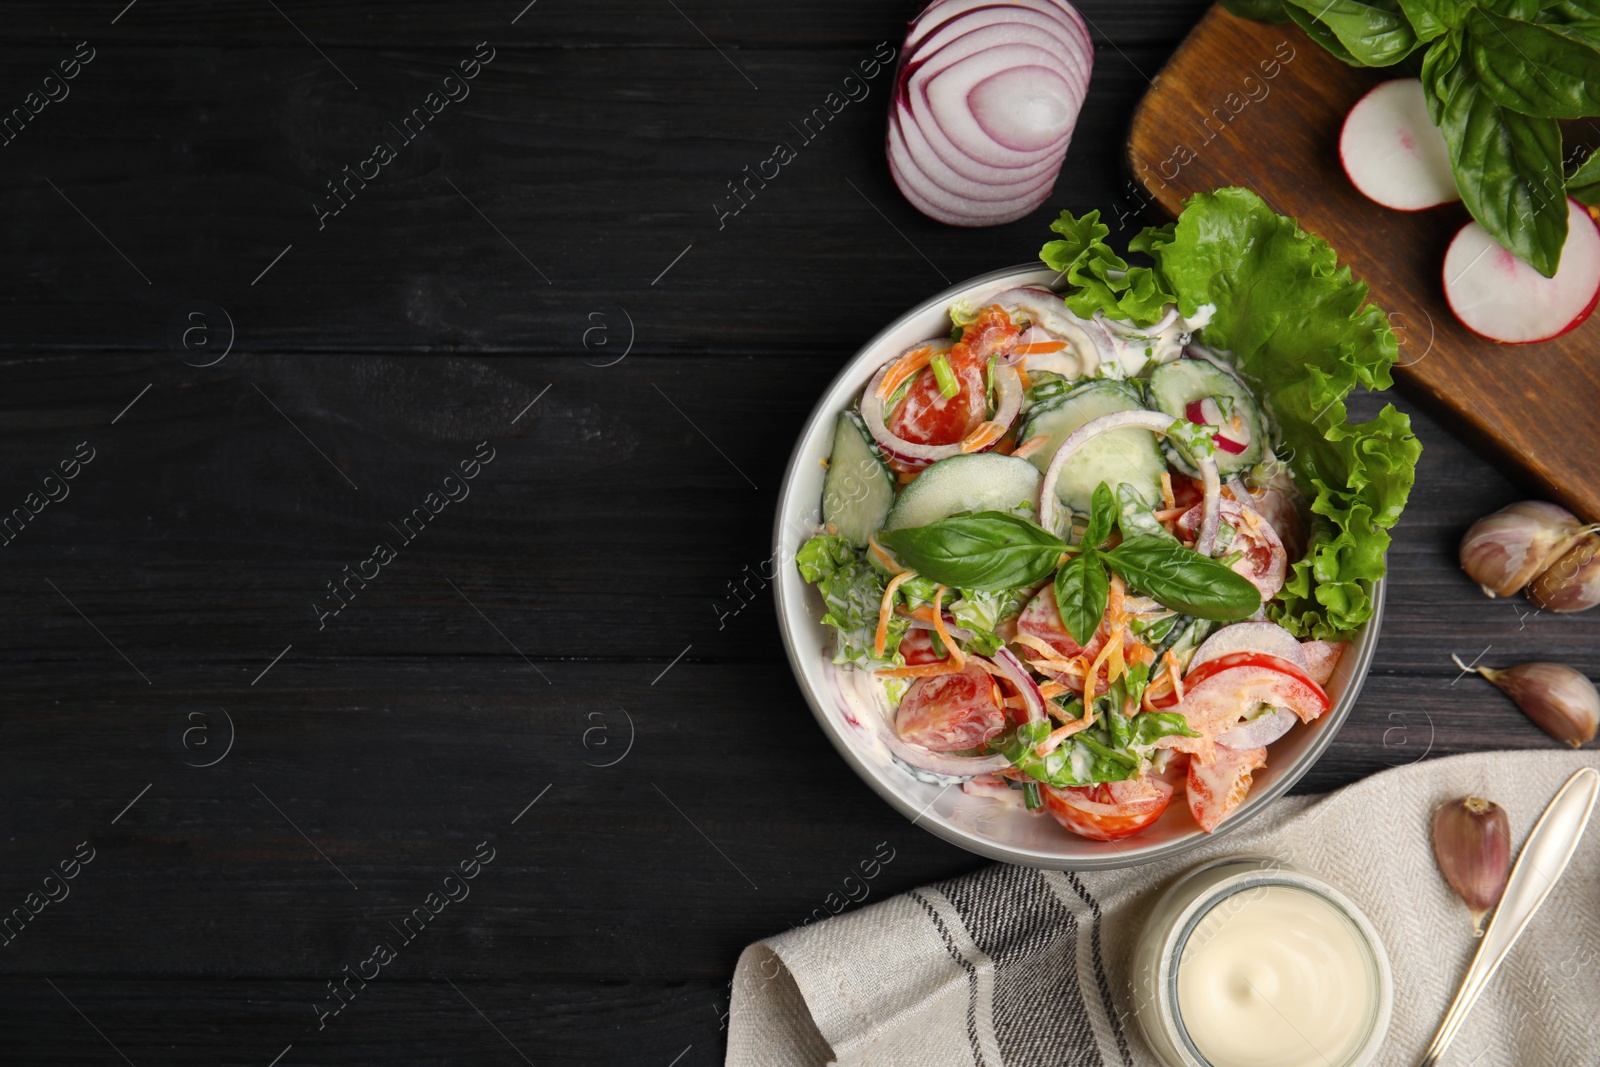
(1027, 688)
(1156, 422)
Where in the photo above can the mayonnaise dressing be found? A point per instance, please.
(1276, 976)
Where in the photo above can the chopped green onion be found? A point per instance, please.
(1031, 797)
(949, 386)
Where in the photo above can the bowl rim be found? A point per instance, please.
(1364, 647)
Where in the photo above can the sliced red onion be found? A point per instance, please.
(1008, 403)
(1017, 675)
(960, 633)
(1156, 422)
(985, 103)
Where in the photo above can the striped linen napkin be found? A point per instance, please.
(1013, 967)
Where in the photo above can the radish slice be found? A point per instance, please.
(1498, 296)
(1008, 403)
(1393, 152)
(1260, 731)
(985, 103)
(1145, 420)
(1266, 637)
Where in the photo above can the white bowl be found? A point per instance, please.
(989, 827)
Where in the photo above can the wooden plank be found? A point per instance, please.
(614, 188)
(1254, 104)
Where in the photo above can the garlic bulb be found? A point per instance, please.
(1505, 551)
(1559, 700)
(1472, 842)
(1571, 583)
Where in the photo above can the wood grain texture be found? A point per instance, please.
(1259, 105)
(608, 547)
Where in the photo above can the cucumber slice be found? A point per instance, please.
(1122, 457)
(1174, 386)
(859, 487)
(983, 481)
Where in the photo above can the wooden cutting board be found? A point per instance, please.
(1259, 105)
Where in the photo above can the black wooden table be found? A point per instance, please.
(416, 500)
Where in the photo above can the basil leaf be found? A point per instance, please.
(987, 550)
(1183, 579)
(1258, 10)
(1320, 33)
(1547, 71)
(1583, 184)
(1103, 513)
(1569, 10)
(1373, 34)
(1436, 66)
(1082, 589)
(1508, 168)
(1433, 18)
(1107, 752)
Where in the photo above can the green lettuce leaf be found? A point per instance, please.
(1301, 332)
(852, 589)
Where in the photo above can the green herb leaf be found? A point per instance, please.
(1149, 726)
(1082, 588)
(1373, 34)
(988, 550)
(1508, 168)
(1031, 797)
(1183, 579)
(1102, 516)
(821, 556)
(1320, 33)
(1551, 71)
(1583, 184)
(1441, 59)
(1258, 10)
(1433, 18)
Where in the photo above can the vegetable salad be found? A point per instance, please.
(1097, 546)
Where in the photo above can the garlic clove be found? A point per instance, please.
(1472, 842)
(1505, 551)
(1560, 701)
(1571, 583)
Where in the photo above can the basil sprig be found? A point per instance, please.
(1155, 565)
(1496, 77)
(987, 550)
(994, 550)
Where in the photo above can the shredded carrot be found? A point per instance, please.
(1140, 653)
(957, 657)
(986, 434)
(883, 557)
(1030, 446)
(885, 608)
(1168, 499)
(1038, 645)
(904, 368)
(1053, 740)
(1168, 514)
(1022, 376)
(1039, 348)
(1051, 689)
(926, 670)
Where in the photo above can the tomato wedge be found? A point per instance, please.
(1224, 689)
(1041, 619)
(951, 712)
(916, 648)
(1265, 561)
(1215, 789)
(926, 416)
(1109, 811)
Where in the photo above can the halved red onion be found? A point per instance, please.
(986, 99)
(1018, 676)
(1156, 422)
(1008, 403)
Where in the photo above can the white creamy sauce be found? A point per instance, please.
(1276, 976)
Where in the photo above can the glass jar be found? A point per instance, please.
(1248, 962)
